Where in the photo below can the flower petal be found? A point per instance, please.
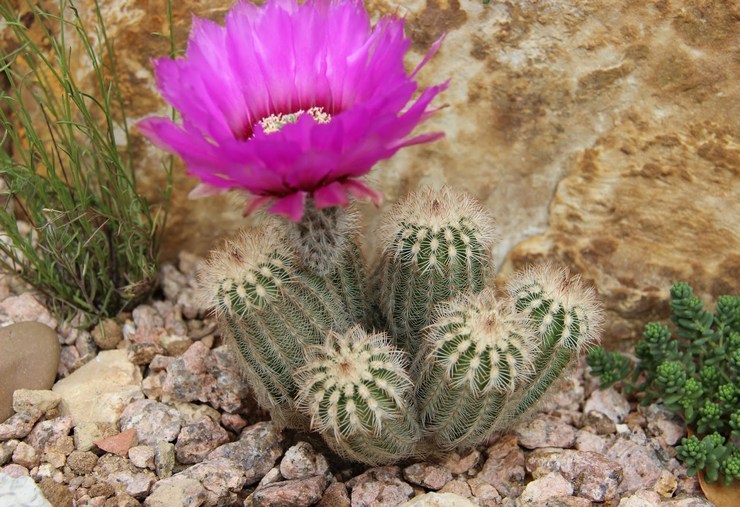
(290, 206)
(361, 191)
(332, 194)
(280, 58)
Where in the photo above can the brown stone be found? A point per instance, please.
(29, 356)
(107, 334)
(593, 476)
(57, 494)
(335, 496)
(292, 493)
(504, 468)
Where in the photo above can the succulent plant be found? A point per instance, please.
(694, 373)
(566, 319)
(457, 363)
(322, 237)
(474, 356)
(357, 392)
(435, 246)
(271, 311)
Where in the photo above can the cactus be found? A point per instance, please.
(357, 393)
(474, 356)
(566, 319)
(435, 246)
(294, 301)
(349, 281)
(270, 311)
(320, 238)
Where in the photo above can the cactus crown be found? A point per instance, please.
(480, 341)
(353, 383)
(258, 259)
(563, 309)
(434, 228)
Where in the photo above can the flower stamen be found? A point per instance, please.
(275, 122)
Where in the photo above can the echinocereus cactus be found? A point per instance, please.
(474, 356)
(271, 311)
(357, 392)
(566, 321)
(479, 362)
(435, 246)
(695, 372)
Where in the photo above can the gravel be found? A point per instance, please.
(159, 389)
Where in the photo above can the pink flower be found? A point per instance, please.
(291, 100)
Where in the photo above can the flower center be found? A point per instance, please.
(274, 122)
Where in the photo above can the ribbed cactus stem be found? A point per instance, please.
(566, 318)
(271, 311)
(435, 245)
(350, 282)
(320, 238)
(475, 355)
(357, 393)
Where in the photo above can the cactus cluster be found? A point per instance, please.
(418, 357)
(695, 374)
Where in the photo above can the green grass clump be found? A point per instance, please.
(65, 160)
(695, 372)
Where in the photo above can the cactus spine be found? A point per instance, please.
(357, 393)
(320, 238)
(474, 356)
(566, 319)
(435, 245)
(349, 281)
(270, 311)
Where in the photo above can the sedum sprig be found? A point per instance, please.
(694, 372)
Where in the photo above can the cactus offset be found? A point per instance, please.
(566, 319)
(271, 311)
(436, 245)
(473, 358)
(356, 390)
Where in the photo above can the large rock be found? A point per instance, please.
(603, 135)
(29, 356)
(100, 390)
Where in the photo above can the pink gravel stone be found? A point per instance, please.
(198, 439)
(119, 444)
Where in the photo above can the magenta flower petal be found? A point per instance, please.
(290, 206)
(332, 194)
(361, 191)
(320, 58)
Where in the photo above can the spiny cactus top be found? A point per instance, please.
(478, 351)
(436, 245)
(247, 272)
(436, 227)
(292, 100)
(563, 309)
(356, 390)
